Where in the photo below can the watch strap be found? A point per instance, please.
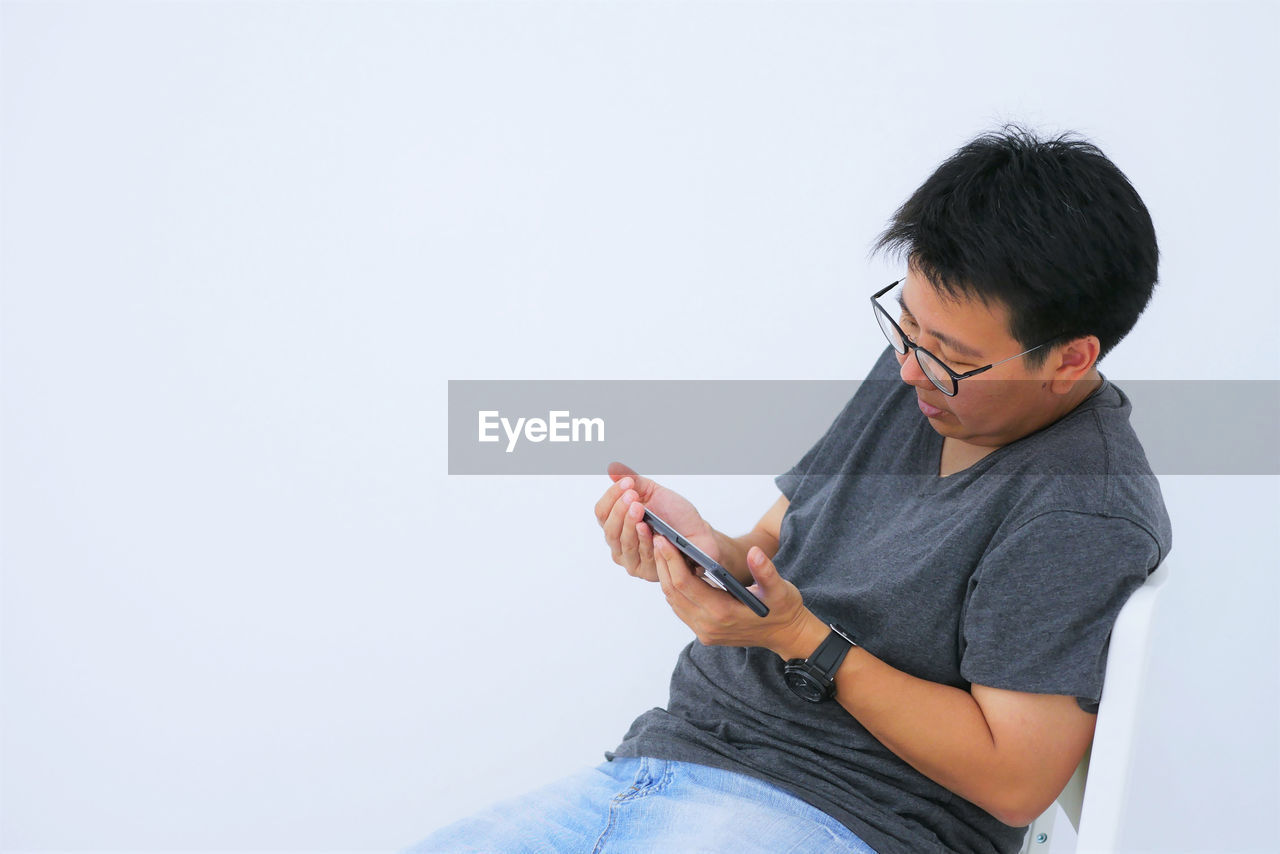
(831, 652)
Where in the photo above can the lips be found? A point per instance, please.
(929, 411)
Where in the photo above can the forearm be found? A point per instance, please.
(939, 730)
(1009, 752)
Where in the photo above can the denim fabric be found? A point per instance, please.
(643, 806)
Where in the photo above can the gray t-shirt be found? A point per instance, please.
(1008, 574)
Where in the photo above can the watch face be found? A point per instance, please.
(805, 685)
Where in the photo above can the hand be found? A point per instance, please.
(718, 619)
(619, 512)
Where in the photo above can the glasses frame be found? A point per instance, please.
(911, 345)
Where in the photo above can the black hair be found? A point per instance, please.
(1050, 229)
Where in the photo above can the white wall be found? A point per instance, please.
(246, 245)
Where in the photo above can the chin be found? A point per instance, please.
(946, 427)
(949, 429)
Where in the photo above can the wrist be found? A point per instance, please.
(800, 637)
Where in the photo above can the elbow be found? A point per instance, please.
(1018, 808)
(1014, 817)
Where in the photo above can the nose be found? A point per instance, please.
(911, 373)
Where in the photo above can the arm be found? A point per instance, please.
(1008, 752)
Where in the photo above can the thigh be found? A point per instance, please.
(642, 806)
(694, 809)
(567, 815)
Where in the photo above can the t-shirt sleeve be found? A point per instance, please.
(1042, 603)
(789, 481)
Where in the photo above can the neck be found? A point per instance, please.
(958, 455)
(1079, 391)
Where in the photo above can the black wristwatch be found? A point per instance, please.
(814, 678)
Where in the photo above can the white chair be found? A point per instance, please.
(1096, 809)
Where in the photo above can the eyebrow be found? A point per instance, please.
(951, 343)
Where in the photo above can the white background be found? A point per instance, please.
(245, 246)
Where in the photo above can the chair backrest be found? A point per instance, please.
(1096, 797)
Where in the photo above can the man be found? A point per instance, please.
(942, 569)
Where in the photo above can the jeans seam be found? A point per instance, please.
(635, 792)
(650, 786)
(604, 834)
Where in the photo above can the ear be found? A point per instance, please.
(1072, 362)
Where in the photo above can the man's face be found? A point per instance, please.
(994, 408)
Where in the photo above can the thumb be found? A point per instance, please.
(617, 471)
(762, 570)
(643, 485)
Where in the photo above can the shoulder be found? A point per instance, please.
(873, 398)
(877, 399)
(1086, 467)
(882, 385)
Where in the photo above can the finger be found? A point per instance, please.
(680, 581)
(662, 566)
(618, 470)
(641, 484)
(610, 497)
(613, 526)
(648, 564)
(628, 538)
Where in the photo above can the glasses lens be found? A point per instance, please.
(936, 373)
(890, 331)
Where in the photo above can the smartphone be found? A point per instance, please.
(714, 574)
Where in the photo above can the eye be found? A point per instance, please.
(959, 365)
(909, 328)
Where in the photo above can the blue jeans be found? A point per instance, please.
(643, 806)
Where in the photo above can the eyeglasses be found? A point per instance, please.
(946, 380)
